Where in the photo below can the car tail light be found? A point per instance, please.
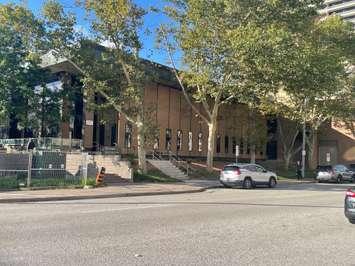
(350, 193)
(237, 171)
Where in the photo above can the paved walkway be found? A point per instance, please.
(123, 190)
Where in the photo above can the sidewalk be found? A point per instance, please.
(124, 190)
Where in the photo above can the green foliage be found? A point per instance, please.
(20, 44)
(9, 183)
(153, 176)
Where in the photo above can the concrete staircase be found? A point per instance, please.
(169, 169)
(114, 180)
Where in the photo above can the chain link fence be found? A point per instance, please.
(51, 144)
(44, 169)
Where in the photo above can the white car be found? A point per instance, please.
(247, 176)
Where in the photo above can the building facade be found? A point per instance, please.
(180, 129)
(183, 132)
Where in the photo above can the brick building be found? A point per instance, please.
(180, 128)
(184, 133)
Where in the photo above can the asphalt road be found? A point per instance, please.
(290, 225)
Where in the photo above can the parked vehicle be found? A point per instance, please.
(337, 173)
(349, 205)
(247, 176)
(352, 167)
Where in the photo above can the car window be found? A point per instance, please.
(324, 168)
(249, 168)
(259, 169)
(340, 168)
(230, 168)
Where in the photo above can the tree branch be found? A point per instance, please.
(108, 98)
(187, 98)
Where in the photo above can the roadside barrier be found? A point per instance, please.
(100, 177)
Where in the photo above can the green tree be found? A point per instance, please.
(210, 75)
(20, 72)
(309, 77)
(115, 73)
(227, 49)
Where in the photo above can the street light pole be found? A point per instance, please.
(304, 140)
(304, 149)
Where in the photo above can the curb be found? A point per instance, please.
(115, 195)
(291, 181)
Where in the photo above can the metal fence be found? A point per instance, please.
(44, 168)
(52, 144)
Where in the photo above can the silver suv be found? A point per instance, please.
(247, 176)
(337, 173)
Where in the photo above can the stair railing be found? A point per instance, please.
(173, 158)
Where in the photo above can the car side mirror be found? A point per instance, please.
(264, 171)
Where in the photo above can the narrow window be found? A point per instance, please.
(226, 144)
(218, 146)
(179, 140)
(128, 136)
(248, 147)
(114, 135)
(168, 139)
(156, 143)
(241, 146)
(200, 142)
(234, 144)
(190, 141)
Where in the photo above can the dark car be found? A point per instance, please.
(349, 205)
(352, 167)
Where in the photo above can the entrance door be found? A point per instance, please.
(328, 154)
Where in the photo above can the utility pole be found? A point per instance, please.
(304, 140)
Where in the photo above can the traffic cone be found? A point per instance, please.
(100, 177)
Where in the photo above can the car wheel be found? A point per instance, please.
(247, 183)
(352, 221)
(272, 182)
(339, 179)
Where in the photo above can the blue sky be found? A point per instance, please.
(151, 22)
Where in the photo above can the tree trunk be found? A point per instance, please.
(212, 127)
(312, 150)
(253, 135)
(142, 163)
(252, 153)
(287, 159)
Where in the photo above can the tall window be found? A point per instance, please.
(114, 135)
(218, 144)
(248, 147)
(226, 144)
(190, 141)
(179, 140)
(168, 139)
(128, 136)
(234, 144)
(156, 143)
(241, 146)
(200, 142)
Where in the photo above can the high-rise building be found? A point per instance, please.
(343, 8)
